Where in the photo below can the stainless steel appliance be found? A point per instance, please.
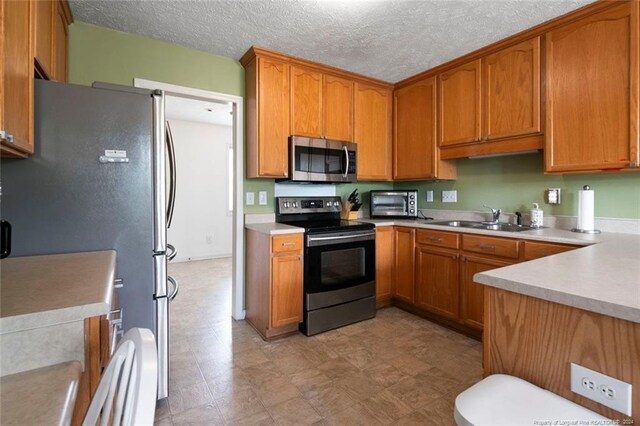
(322, 160)
(97, 181)
(339, 263)
(392, 203)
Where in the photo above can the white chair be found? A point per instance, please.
(132, 378)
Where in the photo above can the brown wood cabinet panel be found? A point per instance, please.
(535, 250)
(284, 243)
(437, 287)
(512, 91)
(414, 138)
(460, 108)
(472, 306)
(592, 92)
(267, 118)
(373, 131)
(16, 76)
(337, 103)
(306, 102)
(257, 281)
(438, 238)
(520, 331)
(403, 288)
(384, 263)
(286, 290)
(43, 35)
(503, 247)
(60, 42)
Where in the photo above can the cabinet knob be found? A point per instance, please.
(633, 164)
(285, 174)
(6, 136)
(454, 257)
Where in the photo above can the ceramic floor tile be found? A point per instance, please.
(207, 414)
(386, 407)
(295, 411)
(306, 380)
(189, 397)
(328, 399)
(384, 374)
(239, 405)
(275, 391)
(355, 415)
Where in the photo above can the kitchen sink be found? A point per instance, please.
(507, 227)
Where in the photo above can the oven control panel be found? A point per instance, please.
(297, 205)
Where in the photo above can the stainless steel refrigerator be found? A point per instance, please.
(98, 180)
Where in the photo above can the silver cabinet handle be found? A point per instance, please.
(118, 283)
(176, 287)
(487, 247)
(173, 252)
(435, 239)
(6, 136)
(118, 320)
(288, 244)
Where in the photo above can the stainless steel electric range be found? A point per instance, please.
(339, 263)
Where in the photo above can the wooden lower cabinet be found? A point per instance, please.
(472, 294)
(274, 292)
(384, 264)
(437, 281)
(403, 288)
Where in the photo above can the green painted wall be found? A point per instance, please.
(513, 183)
(101, 54)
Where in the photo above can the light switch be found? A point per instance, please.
(262, 198)
(450, 196)
(429, 196)
(251, 198)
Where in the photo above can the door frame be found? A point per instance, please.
(237, 102)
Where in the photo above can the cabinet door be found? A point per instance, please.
(16, 76)
(43, 31)
(372, 132)
(384, 262)
(60, 37)
(337, 103)
(437, 281)
(286, 290)
(404, 278)
(273, 120)
(306, 102)
(415, 130)
(512, 91)
(472, 312)
(592, 92)
(460, 107)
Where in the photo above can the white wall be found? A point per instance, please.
(201, 210)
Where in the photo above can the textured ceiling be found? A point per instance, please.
(387, 39)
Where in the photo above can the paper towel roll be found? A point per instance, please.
(586, 210)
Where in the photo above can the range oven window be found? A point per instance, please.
(341, 266)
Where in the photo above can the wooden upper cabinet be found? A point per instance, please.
(372, 131)
(43, 35)
(415, 130)
(511, 91)
(460, 108)
(337, 108)
(16, 78)
(60, 43)
(267, 92)
(592, 92)
(306, 102)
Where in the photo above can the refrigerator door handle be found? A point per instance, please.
(159, 174)
(176, 287)
(172, 175)
(162, 340)
(172, 252)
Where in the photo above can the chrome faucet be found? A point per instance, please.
(495, 212)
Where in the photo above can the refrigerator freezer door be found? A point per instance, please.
(162, 340)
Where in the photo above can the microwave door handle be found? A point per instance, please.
(346, 156)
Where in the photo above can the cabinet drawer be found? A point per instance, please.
(535, 250)
(438, 238)
(284, 243)
(488, 245)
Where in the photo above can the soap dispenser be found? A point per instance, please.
(537, 216)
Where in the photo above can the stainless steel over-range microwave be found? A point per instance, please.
(393, 203)
(321, 160)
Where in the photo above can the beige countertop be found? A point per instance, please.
(37, 291)
(45, 396)
(274, 228)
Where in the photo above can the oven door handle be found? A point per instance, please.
(346, 156)
(317, 241)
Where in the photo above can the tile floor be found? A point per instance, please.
(394, 369)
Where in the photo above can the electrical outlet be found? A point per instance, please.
(603, 389)
(553, 195)
(449, 196)
(429, 196)
(262, 198)
(251, 198)
(209, 239)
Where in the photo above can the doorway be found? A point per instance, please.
(193, 114)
